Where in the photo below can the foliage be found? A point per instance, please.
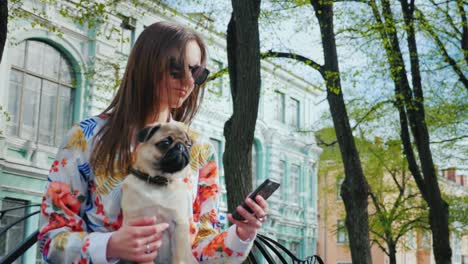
(397, 206)
(4, 115)
(444, 98)
(458, 208)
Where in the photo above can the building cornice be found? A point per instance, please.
(23, 170)
(20, 190)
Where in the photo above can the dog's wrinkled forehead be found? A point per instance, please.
(160, 131)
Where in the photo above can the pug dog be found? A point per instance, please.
(155, 187)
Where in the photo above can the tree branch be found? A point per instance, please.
(356, 1)
(4, 25)
(464, 42)
(373, 109)
(217, 74)
(378, 243)
(377, 205)
(441, 46)
(323, 143)
(275, 54)
(408, 149)
(402, 90)
(447, 16)
(449, 139)
(294, 56)
(404, 228)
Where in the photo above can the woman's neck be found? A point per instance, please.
(162, 117)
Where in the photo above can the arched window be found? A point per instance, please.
(41, 93)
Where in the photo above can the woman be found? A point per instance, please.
(81, 215)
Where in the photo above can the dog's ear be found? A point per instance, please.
(189, 140)
(147, 132)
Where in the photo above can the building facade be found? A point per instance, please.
(52, 79)
(333, 242)
(414, 248)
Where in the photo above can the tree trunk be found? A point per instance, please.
(464, 40)
(243, 47)
(410, 104)
(3, 25)
(438, 208)
(392, 253)
(354, 189)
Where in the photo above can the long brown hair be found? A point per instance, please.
(140, 91)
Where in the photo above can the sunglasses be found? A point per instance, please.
(199, 73)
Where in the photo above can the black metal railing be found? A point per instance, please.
(265, 245)
(269, 247)
(18, 250)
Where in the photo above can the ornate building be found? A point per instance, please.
(50, 80)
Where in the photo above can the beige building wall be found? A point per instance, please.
(464, 249)
(418, 244)
(331, 246)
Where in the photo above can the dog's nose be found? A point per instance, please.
(181, 147)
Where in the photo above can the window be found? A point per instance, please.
(426, 239)
(282, 175)
(294, 113)
(410, 240)
(15, 235)
(217, 85)
(295, 248)
(38, 254)
(127, 34)
(280, 104)
(341, 232)
(41, 85)
(217, 148)
(254, 164)
(282, 242)
(294, 180)
(339, 182)
(277, 259)
(312, 182)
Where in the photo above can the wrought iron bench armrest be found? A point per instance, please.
(262, 243)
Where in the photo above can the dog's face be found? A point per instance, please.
(163, 148)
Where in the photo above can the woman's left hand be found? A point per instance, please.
(247, 228)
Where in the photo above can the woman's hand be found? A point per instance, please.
(247, 228)
(138, 240)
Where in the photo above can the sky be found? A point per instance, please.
(295, 29)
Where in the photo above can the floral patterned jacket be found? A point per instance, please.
(81, 207)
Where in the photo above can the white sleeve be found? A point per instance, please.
(98, 248)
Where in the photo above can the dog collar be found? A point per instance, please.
(158, 180)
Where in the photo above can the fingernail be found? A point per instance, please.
(154, 219)
(165, 225)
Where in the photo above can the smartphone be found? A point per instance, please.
(265, 190)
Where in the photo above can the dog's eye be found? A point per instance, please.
(165, 143)
(169, 140)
